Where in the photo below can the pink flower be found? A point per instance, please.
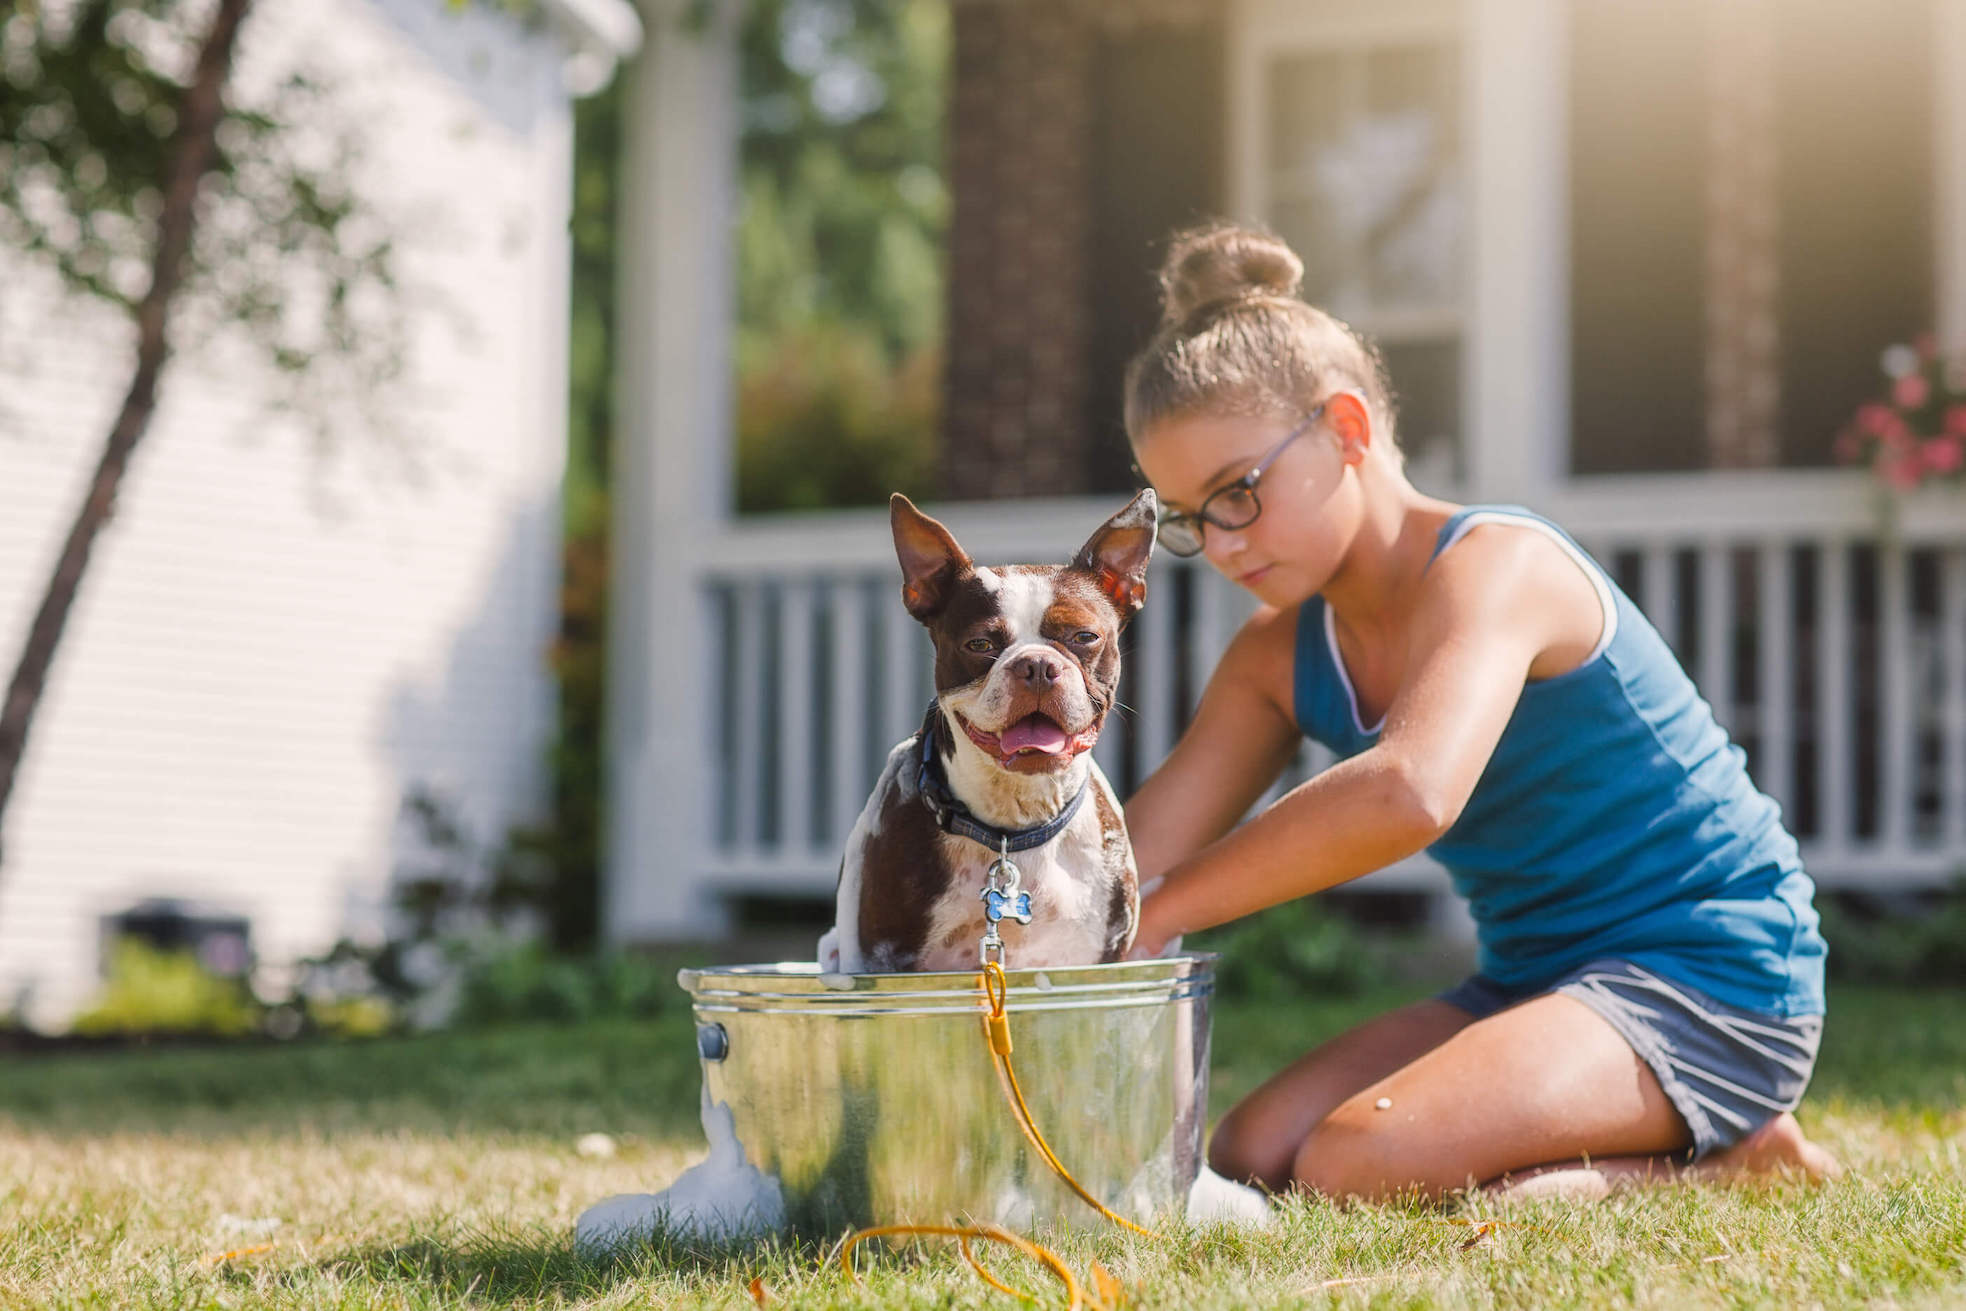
(1944, 454)
(1956, 421)
(1849, 446)
(1902, 472)
(1877, 420)
(1927, 345)
(1911, 391)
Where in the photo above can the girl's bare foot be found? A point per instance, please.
(1778, 1145)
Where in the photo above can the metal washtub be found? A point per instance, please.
(872, 1098)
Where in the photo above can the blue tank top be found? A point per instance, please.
(1615, 817)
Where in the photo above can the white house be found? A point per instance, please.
(274, 645)
(1632, 263)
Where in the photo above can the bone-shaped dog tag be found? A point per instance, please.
(997, 904)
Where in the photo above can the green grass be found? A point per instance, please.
(441, 1172)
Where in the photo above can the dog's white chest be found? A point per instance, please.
(1070, 917)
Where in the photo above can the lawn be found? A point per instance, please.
(443, 1171)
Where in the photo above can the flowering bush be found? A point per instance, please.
(1917, 431)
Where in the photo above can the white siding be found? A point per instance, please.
(271, 647)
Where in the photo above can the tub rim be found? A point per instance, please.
(762, 987)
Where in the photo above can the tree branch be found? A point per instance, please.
(192, 155)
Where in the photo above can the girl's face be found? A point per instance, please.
(1309, 494)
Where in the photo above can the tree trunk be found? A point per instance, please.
(192, 155)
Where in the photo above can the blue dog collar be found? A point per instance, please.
(951, 816)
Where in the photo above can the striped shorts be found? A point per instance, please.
(1726, 1071)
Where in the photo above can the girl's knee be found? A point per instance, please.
(1239, 1150)
(1342, 1159)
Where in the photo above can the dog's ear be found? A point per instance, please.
(930, 558)
(1117, 554)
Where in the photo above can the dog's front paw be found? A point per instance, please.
(828, 954)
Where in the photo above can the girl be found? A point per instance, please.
(1651, 976)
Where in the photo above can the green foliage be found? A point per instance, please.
(827, 422)
(288, 260)
(166, 992)
(441, 1171)
(1925, 944)
(839, 251)
(844, 203)
(531, 983)
(565, 850)
(840, 299)
(591, 234)
(1292, 951)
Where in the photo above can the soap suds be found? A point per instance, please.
(722, 1198)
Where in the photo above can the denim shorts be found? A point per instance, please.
(1726, 1071)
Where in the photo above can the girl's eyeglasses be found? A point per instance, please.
(1231, 507)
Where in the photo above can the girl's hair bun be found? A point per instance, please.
(1210, 266)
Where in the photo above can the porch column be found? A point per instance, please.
(1517, 368)
(1743, 324)
(1949, 169)
(672, 465)
(1019, 169)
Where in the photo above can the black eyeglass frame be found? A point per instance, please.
(1246, 483)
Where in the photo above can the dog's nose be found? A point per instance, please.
(1039, 671)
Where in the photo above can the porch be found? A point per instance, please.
(1831, 645)
(763, 666)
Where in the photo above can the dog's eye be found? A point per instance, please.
(1084, 637)
(981, 645)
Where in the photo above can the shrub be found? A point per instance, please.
(167, 992)
(1919, 943)
(1294, 948)
(529, 983)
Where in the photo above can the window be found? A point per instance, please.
(1351, 148)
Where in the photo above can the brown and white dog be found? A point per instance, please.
(1027, 661)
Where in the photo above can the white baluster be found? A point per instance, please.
(1894, 691)
(1151, 688)
(797, 703)
(1717, 629)
(748, 685)
(1833, 775)
(1661, 586)
(851, 714)
(902, 648)
(1952, 645)
(1775, 760)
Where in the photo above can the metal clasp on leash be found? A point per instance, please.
(1002, 896)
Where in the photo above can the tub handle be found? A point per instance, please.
(712, 1042)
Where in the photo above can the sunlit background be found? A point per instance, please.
(504, 561)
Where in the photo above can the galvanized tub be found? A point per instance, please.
(872, 1098)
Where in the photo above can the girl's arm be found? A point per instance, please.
(1484, 614)
(1239, 740)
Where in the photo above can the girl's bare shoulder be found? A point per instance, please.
(1262, 656)
(1520, 576)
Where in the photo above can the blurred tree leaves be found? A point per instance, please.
(840, 278)
(840, 240)
(840, 290)
(288, 259)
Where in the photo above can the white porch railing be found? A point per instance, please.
(1836, 656)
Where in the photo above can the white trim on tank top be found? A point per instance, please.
(1605, 600)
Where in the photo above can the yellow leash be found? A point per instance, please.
(997, 1026)
(1107, 1294)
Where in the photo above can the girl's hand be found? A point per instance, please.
(1146, 951)
(1150, 939)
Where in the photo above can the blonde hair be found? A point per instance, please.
(1236, 339)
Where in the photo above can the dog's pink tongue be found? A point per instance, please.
(1034, 733)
